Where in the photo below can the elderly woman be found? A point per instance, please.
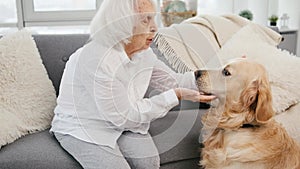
(102, 118)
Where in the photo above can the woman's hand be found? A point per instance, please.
(193, 95)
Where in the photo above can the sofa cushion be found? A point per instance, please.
(185, 164)
(27, 95)
(55, 51)
(39, 150)
(176, 135)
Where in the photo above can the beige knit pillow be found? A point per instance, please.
(27, 96)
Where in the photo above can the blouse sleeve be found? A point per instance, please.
(163, 78)
(114, 104)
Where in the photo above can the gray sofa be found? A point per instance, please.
(175, 135)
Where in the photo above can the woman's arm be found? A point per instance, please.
(116, 105)
(184, 85)
(164, 78)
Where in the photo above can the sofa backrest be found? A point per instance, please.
(55, 51)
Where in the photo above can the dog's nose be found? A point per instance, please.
(197, 73)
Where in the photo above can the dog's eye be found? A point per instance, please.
(225, 72)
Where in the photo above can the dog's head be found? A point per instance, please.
(243, 87)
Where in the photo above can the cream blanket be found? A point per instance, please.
(225, 26)
(195, 42)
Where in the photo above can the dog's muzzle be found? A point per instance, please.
(198, 74)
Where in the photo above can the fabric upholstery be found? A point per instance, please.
(39, 150)
(185, 164)
(55, 52)
(179, 131)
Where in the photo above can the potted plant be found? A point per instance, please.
(246, 14)
(273, 20)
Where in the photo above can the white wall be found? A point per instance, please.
(291, 7)
(261, 9)
(273, 7)
(215, 7)
(240, 5)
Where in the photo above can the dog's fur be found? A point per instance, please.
(247, 136)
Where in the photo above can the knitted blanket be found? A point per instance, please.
(194, 43)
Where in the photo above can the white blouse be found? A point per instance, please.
(102, 93)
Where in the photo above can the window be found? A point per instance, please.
(67, 5)
(8, 12)
(74, 29)
(59, 12)
(8, 16)
(47, 15)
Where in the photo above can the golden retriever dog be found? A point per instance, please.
(246, 136)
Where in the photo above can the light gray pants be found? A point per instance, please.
(134, 151)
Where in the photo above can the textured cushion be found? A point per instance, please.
(27, 95)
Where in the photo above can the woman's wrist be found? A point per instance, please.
(178, 93)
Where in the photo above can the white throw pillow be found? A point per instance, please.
(283, 68)
(27, 96)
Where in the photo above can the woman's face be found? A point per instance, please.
(145, 28)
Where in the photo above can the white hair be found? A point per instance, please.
(114, 22)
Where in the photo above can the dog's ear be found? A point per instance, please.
(249, 95)
(264, 109)
(258, 99)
